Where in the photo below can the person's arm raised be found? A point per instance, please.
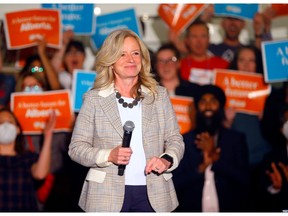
(41, 168)
(50, 71)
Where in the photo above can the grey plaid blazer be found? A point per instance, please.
(98, 129)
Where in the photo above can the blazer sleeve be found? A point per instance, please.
(174, 145)
(81, 147)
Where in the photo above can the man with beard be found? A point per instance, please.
(213, 175)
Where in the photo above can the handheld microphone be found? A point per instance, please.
(128, 129)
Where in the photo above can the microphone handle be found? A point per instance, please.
(125, 143)
(121, 169)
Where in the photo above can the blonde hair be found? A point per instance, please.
(111, 51)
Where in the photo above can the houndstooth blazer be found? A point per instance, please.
(98, 130)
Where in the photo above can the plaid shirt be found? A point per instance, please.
(17, 192)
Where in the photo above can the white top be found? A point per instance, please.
(209, 194)
(65, 79)
(135, 170)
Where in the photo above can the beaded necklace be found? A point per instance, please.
(125, 104)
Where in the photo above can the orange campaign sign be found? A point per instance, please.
(280, 9)
(32, 110)
(22, 28)
(178, 16)
(245, 92)
(184, 109)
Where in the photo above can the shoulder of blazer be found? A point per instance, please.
(161, 91)
(92, 93)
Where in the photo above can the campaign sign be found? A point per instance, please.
(107, 23)
(76, 17)
(83, 81)
(22, 28)
(33, 110)
(275, 60)
(201, 76)
(242, 11)
(245, 92)
(178, 16)
(185, 112)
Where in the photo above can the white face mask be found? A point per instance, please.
(33, 89)
(8, 133)
(285, 130)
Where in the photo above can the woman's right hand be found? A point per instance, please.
(120, 155)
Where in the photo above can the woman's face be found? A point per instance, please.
(167, 65)
(31, 84)
(7, 117)
(9, 128)
(129, 64)
(247, 61)
(74, 59)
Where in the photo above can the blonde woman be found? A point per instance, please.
(125, 90)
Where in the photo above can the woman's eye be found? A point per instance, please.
(136, 53)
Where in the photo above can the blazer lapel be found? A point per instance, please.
(110, 108)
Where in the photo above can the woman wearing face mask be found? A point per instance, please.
(275, 171)
(30, 82)
(19, 168)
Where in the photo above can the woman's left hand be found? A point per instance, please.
(158, 165)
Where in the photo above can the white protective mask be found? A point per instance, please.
(285, 129)
(8, 133)
(33, 89)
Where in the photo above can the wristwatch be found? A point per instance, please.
(168, 158)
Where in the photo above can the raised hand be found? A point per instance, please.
(275, 176)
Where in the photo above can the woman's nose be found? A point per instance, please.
(130, 58)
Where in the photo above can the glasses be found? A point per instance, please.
(37, 69)
(170, 61)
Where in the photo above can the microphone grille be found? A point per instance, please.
(129, 126)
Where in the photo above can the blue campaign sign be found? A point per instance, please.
(242, 11)
(78, 17)
(83, 81)
(275, 60)
(107, 23)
